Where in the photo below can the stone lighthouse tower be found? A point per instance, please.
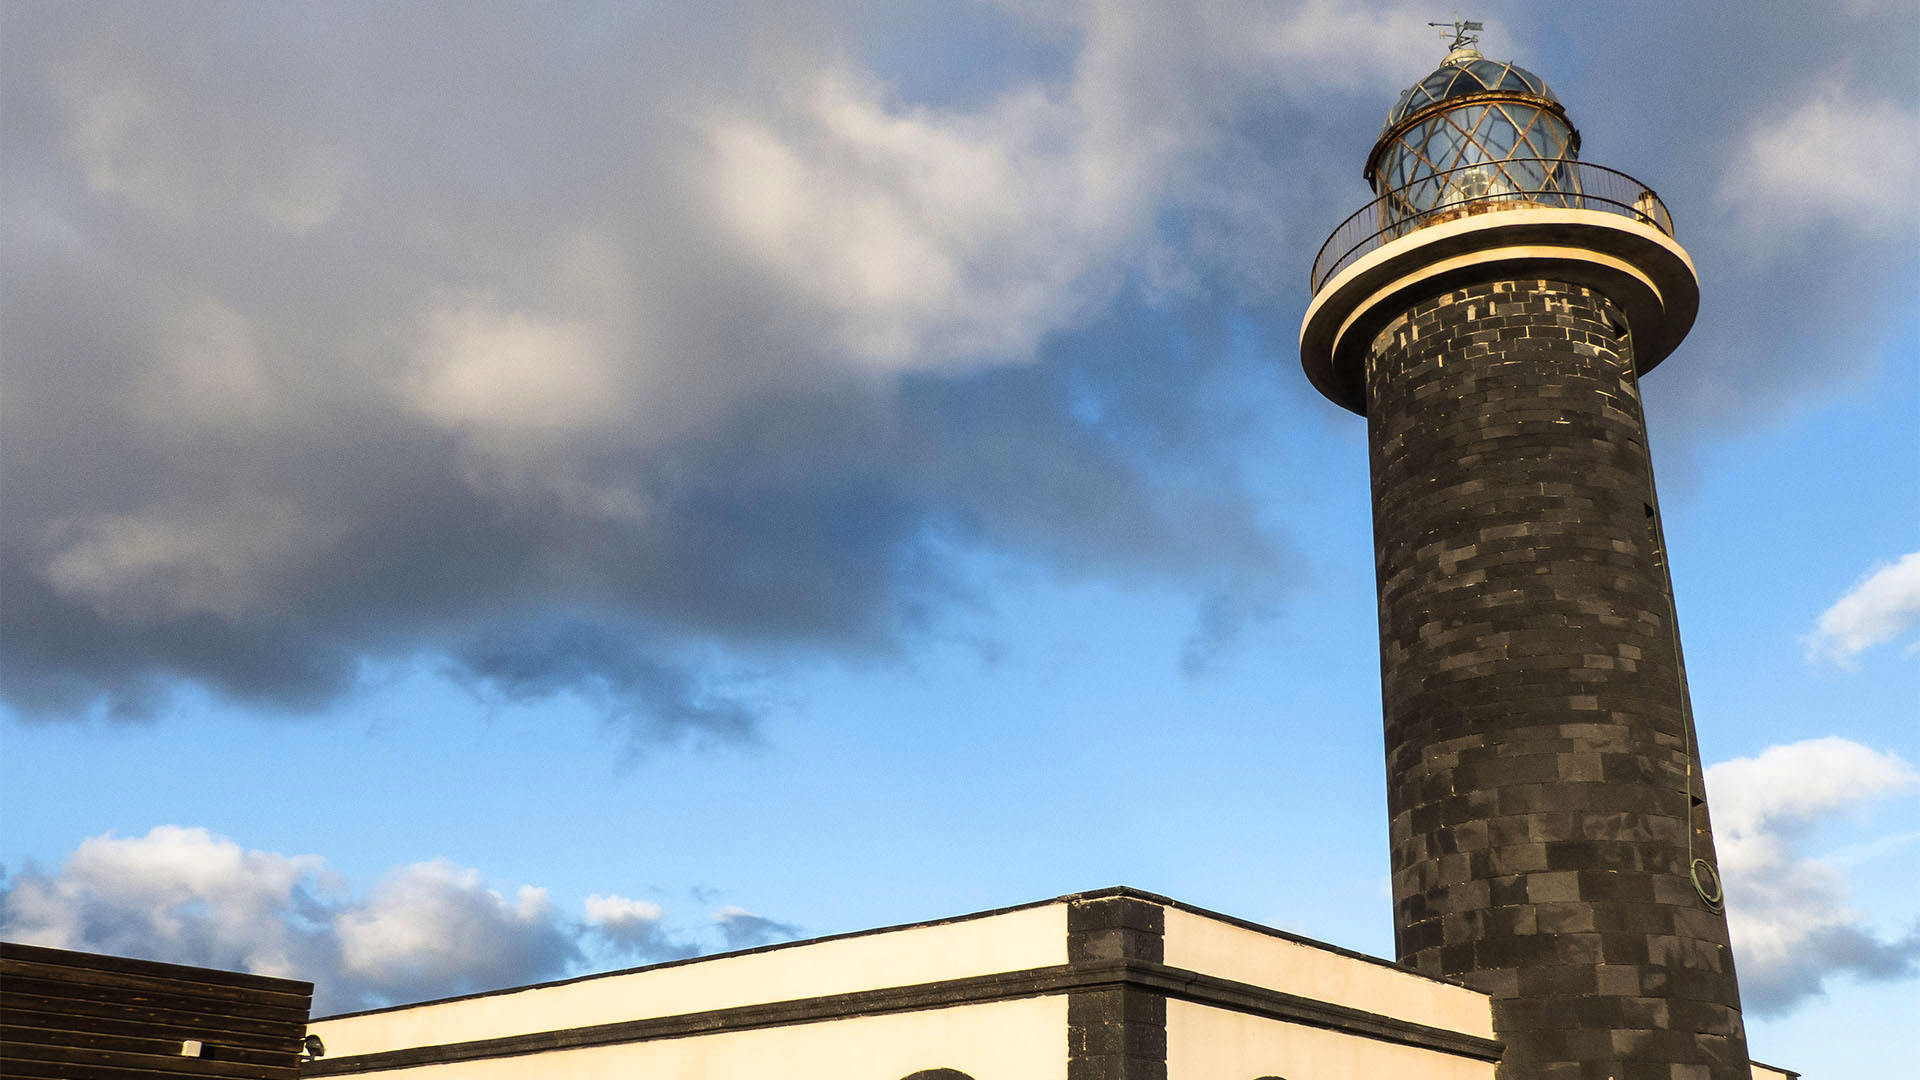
(1490, 314)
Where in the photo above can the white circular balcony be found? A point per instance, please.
(1579, 223)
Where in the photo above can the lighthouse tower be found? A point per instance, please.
(1490, 314)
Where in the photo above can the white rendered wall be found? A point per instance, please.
(1009, 941)
(1003, 1040)
(1205, 1043)
(1213, 947)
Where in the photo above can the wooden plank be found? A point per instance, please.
(68, 1016)
(13, 1032)
(91, 1017)
(144, 1012)
(57, 1070)
(81, 1014)
(133, 982)
(66, 958)
(175, 1063)
(80, 1026)
(53, 1070)
(58, 989)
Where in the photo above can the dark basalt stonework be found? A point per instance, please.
(1537, 764)
(1116, 1032)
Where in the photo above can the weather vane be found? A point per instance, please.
(1463, 32)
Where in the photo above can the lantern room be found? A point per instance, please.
(1476, 134)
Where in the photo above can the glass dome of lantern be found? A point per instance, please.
(1475, 135)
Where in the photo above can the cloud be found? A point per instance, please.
(946, 239)
(509, 377)
(212, 371)
(1221, 620)
(432, 929)
(179, 893)
(134, 568)
(934, 240)
(1792, 929)
(1877, 609)
(745, 930)
(435, 927)
(1835, 158)
(653, 698)
(722, 335)
(634, 928)
(714, 372)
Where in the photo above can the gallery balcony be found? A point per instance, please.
(1484, 187)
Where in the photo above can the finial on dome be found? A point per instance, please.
(1465, 37)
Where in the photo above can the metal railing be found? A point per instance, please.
(1480, 188)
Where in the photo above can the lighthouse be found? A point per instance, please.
(1490, 314)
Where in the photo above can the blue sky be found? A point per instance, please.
(626, 482)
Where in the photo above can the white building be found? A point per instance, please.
(1108, 985)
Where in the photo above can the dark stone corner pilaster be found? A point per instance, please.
(1116, 1031)
(1115, 925)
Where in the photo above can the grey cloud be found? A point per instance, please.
(745, 930)
(1775, 989)
(370, 333)
(748, 491)
(637, 933)
(1793, 302)
(1222, 619)
(664, 699)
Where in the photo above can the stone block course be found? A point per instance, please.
(1534, 698)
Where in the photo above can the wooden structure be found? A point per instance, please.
(69, 1014)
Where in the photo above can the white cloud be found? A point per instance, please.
(133, 567)
(935, 239)
(505, 377)
(1880, 607)
(634, 927)
(945, 239)
(178, 893)
(435, 924)
(1789, 915)
(614, 911)
(428, 930)
(1834, 158)
(529, 395)
(1800, 782)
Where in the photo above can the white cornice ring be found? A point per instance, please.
(1638, 267)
